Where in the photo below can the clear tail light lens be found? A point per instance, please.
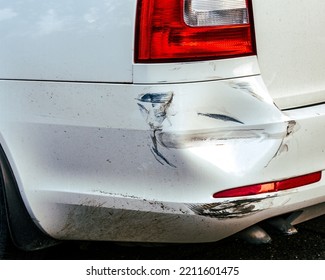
(215, 13)
(187, 30)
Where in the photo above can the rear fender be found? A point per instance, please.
(24, 232)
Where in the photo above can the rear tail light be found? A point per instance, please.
(271, 186)
(185, 30)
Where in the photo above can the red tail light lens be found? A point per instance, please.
(185, 30)
(272, 186)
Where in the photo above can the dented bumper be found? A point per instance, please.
(141, 162)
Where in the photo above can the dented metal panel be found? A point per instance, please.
(153, 107)
(153, 155)
(246, 114)
(105, 149)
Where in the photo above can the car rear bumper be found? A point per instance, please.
(141, 162)
(99, 217)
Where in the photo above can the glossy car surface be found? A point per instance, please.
(100, 142)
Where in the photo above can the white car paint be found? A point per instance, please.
(100, 145)
(67, 40)
(290, 40)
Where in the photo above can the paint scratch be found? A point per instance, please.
(246, 87)
(221, 117)
(227, 209)
(154, 107)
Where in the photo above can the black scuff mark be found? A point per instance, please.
(154, 107)
(160, 98)
(244, 86)
(143, 109)
(221, 117)
(227, 209)
(284, 147)
(158, 155)
(291, 127)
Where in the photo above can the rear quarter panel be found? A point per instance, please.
(67, 40)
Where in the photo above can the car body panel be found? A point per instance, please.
(163, 73)
(98, 144)
(67, 40)
(70, 157)
(290, 39)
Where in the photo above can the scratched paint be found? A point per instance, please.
(95, 221)
(292, 127)
(229, 209)
(215, 137)
(221, 117)
(154, 107)
(255, 90)
(236, 121)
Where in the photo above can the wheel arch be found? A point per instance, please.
(25, 234)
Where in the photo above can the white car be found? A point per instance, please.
(160, 121)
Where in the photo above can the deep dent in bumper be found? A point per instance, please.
(229, 120)
(149, 158)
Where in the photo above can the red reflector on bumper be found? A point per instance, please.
(286, 184)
